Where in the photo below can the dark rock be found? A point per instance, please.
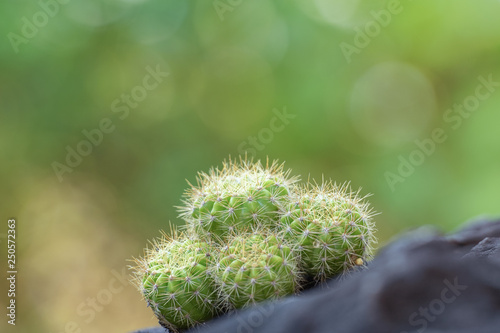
(152, 330)
(474, 232)
(488, 248)
(421, 282)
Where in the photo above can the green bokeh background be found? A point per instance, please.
(230, 64)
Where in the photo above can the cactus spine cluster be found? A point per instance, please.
(252, 234)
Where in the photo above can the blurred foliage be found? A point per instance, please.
(229, 67)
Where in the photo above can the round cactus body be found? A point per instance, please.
(239, 197)
(176, 282)
(254, 268)
(331, 229)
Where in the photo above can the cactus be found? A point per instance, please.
(254, 268)
(252, 234)
(331, 229)
(175, 280)
(239, 197)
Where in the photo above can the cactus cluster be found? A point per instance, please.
(251, 234)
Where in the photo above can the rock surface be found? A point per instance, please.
(422, 282)
(152, 330)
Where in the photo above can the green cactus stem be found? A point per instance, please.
(175, 280)
(255, 268)
(240, 196)
(331, 228)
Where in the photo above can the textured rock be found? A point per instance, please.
(488, 248)
(422, 282)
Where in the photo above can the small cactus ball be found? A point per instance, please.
(331, 228)
(175, 281)
(238, 197)
(256, 268)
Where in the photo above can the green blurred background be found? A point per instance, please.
(233, 65)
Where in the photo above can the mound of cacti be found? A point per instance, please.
(252, 234)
